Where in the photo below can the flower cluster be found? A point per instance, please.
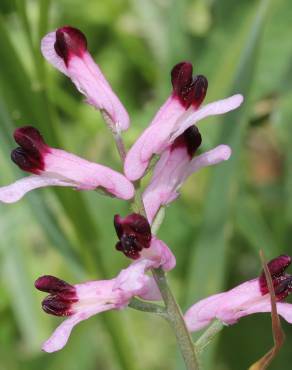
(173, 135)
(82, 301)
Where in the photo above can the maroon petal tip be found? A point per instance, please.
(30, 155)
(283, 288)
(277, 267)
(181, 75)
(200, 90)
(26, 162)
(134, 233)
(53, 285)
(188, 89)
(55, 305)
(70, 41)
(191, 140)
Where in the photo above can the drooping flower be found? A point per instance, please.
(178, 113)
(80, 302)
(175, 165)
(55, 167)
(66, 50)
(245, 299)
(137, 242)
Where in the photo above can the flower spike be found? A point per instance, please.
(55, 167)
(66, 50)
(245, 299)
(180, 111)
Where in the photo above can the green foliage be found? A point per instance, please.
(225, 214)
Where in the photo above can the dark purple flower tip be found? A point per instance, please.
(70, 41)
(189, 90)
(191, 140)
(54, 285)
(283, 288)
(29, 156)
(134, 233)
(61, 298)
(55, 305)
(200, 90)
(181, 75)
(277, 267)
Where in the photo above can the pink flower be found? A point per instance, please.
(55, 167)
(177, 114)
(66, 49)
(175, 165)
(80, 302)
(245, 299)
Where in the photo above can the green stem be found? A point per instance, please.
(158, 220)
(139, 305)
(208, 336)
(137, 204)
(177, 321)
(116, 135)
(120, 146)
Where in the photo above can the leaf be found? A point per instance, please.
(215, 230)
(251, 224)
(20, 289)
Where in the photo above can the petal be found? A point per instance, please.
(172, 169)
(48, 51)
(212, 157)
(202, 313)
(285, 310)
(227, 307)
(13, 192)
(212, 109)
(159, 255)
(151, 292)
(168, 174)
(133, 280)
(86, 175)
(61, 335)
(89, 80)
(96, 291)
(153, 140)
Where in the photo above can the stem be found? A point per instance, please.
(208, 336)
(137, 204)
(117, 135)
(158, 220)
(120, 146)
(139, 305)
(177, 321)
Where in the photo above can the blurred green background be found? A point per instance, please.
(225, 214)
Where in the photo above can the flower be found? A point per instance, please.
(245, 299)
(137, 242)
(66, 50)
(177, 163)
(81, 301)
(55, 167)
(178, 113)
